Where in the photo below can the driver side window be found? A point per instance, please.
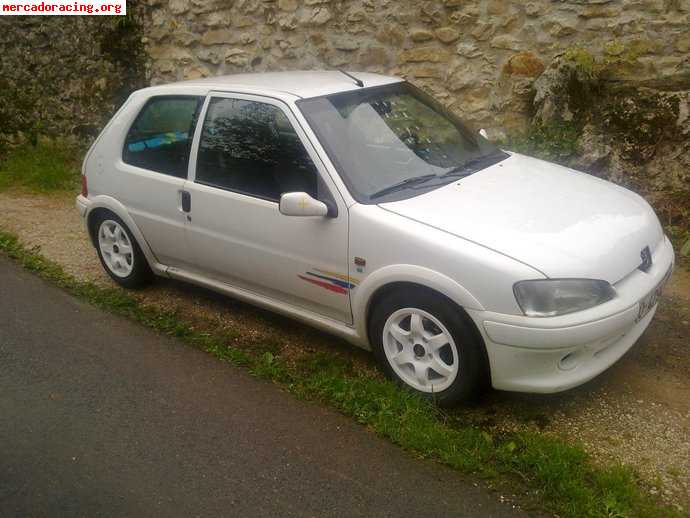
(251, 148)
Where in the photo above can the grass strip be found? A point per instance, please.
(559, 475)
(45, 167)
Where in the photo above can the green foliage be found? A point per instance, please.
(619, 53)
(55, 92)
(269, 366)
(585, 64)
(560, 474)
(42, 167)
(16, 106)
(680, 237)
(556, 142)
(121, 43)
(639, 121)
(580, 84)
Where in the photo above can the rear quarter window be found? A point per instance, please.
(160, 137)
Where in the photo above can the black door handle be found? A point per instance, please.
(186, 201)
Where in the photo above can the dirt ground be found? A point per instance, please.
(637, 412)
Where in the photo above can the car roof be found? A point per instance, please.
(302, 83)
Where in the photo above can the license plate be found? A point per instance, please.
(650, 300)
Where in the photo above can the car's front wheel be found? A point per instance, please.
(424, 342)
(119, 252)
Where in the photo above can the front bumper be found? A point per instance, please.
(546, 355)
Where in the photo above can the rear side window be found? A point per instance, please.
(251, 148)
(160, 138)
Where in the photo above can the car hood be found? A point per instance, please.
(562, 222)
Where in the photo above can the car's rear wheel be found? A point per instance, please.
(119, 252)
(424, 342)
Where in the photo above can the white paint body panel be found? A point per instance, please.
(470, 240)
(562, 222)
(288, 85)
(246, 242)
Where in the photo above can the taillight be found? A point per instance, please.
(84, 186)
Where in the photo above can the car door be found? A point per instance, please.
(250, 150)
(152, 174)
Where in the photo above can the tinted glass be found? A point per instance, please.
(159, 139)
(252, 148)
(385, 136)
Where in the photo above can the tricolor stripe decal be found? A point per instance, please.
(323, 284)
(335, 282)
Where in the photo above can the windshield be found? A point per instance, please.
(393, 142)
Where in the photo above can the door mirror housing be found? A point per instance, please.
(301, 204)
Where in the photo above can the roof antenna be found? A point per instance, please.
(358, 82)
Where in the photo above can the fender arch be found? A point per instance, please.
(103, 201)
(405, 273)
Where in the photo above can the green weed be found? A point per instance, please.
(43, 167)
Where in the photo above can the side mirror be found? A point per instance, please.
(301, 204)
(484, 134)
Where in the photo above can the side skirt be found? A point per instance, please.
(310, 318)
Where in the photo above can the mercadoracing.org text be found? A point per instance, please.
(62, 7)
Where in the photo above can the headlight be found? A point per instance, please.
(551, 297)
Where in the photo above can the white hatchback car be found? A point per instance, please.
(361, 206)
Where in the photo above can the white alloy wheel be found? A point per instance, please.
(420, 350)
(116, 248)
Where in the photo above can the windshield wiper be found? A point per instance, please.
(468, 167)
(402, 184)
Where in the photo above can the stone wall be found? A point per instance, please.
(481, 57)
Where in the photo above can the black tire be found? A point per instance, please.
(140, 274)
(472, 372)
